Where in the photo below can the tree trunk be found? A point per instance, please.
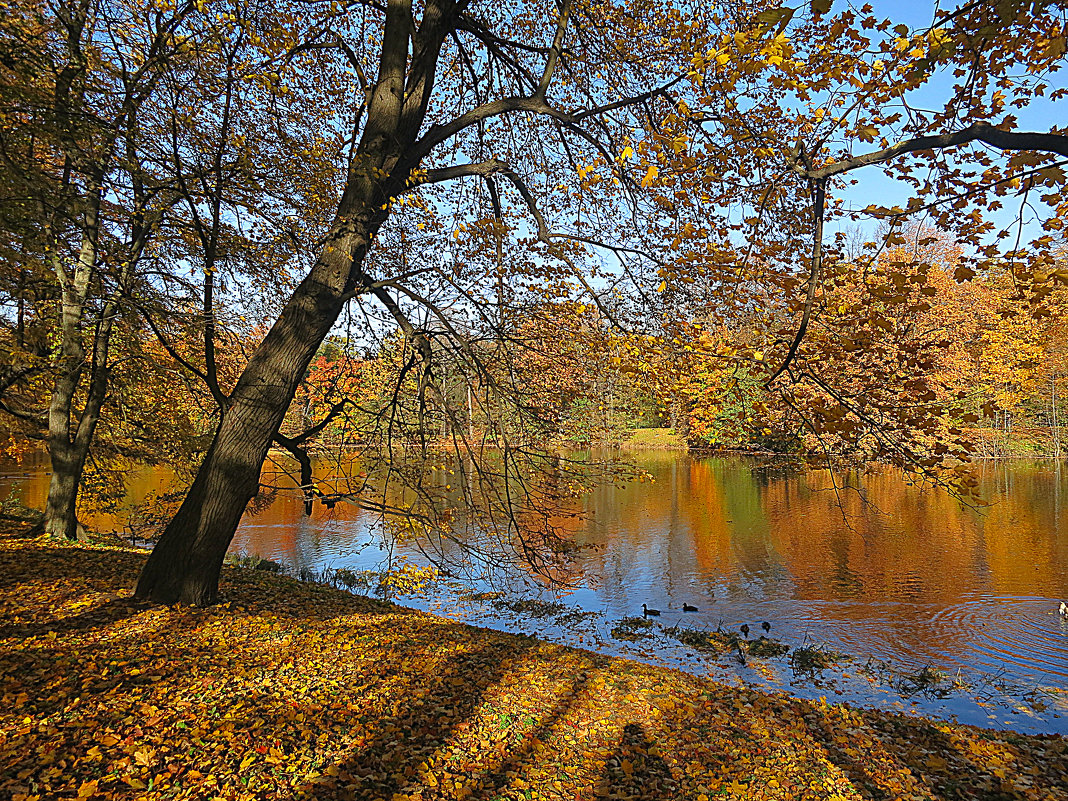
(68, 458)
(1056, 425)
(681, 407)
(61, 516)
(184, 566)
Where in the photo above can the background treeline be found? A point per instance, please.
(975, 346)
(1001, 368)
(229, 227)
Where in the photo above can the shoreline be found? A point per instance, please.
(292, 690)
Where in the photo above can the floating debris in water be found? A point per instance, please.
(632, 629)
(531, 606)
(765, 648)
(718, 642)
(480, 597)
(814, 658)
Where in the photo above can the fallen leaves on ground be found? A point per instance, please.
(293, 691)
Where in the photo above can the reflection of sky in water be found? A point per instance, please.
(874, 566)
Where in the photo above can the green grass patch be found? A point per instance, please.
(655, 438)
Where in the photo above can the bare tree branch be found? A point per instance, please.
(819, 201)
(980, 131)
(555, 50)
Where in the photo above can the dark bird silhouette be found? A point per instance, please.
(647, 612)
(744, 629)
(688, 608)
(766, 626)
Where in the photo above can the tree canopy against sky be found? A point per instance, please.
(84, 204)
(450, 170)
(817, 97)
(458, 92)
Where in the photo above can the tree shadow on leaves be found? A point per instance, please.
(391, 712)
(491, 781)
(425, 713)
(942, 766)
(250, 591)
(636, 770)
(101, 615)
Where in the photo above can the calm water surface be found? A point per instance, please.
(897, 575)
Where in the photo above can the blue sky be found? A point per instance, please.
(874, 185)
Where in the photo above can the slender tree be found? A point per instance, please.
(73, 144)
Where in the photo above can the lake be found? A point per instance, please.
(938, 608)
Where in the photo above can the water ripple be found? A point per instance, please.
(1024, 636)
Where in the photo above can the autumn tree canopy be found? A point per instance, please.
(665, 185)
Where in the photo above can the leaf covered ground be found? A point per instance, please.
(293, 691)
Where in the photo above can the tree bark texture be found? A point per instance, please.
(68, 446)
(186, 562)
(61, 515)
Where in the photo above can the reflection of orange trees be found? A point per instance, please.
(667, 526)
(708, 520)
(900, 541)
(1020, 530)
(470, 515)
(831, 538)
(539, 516)
(834, 545)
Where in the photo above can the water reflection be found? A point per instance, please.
(870, 560)
(866, 560)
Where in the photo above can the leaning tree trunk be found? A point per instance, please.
(186, 562)
(184, 566)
